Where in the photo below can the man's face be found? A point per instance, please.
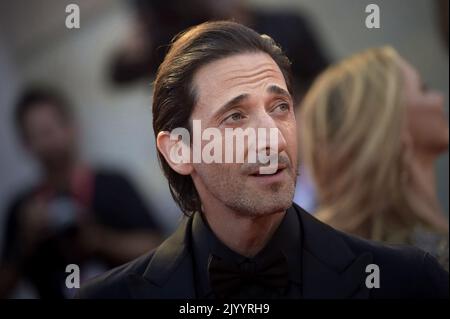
(48, 136)
(246, 91)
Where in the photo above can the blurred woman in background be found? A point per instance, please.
(370, 135)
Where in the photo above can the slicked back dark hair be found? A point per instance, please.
(174, 95)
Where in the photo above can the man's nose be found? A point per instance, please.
(273, 137)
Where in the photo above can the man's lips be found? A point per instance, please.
(257, 170)
(265, 179)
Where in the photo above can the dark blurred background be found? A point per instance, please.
(113, 105)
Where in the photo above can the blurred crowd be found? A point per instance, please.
(370, 134)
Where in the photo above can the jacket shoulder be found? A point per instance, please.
(114, 284)
(405, 271)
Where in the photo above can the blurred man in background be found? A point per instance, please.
(75, 215)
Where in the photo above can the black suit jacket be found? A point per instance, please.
(334, 266)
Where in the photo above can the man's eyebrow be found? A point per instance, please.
(230, 104)
(275, 89)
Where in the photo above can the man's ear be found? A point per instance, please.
(176, 152)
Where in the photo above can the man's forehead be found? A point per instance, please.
(238, 74)
(42, 110)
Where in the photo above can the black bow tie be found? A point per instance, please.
(227, 277)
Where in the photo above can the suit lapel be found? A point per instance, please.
(330, 268)
(169, 274)
(322, 282)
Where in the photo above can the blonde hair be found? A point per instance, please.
(351, 126)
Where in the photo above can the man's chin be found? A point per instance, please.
(273, 208)
(275, 200)
(264, 206)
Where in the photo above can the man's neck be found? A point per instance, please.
(59, 176)
(244, 235)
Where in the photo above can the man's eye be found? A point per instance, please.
(234, 117)
(283, 107)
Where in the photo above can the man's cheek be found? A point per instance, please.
(292, 147)
(213, 171)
